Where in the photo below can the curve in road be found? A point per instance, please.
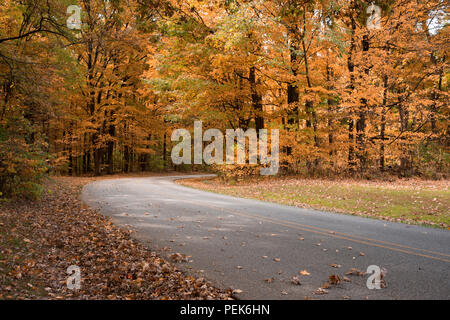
(259, 247)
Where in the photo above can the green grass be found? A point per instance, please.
(412, 202)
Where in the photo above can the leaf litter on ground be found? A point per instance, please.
(40, 239)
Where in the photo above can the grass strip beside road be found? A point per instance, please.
(408, 201)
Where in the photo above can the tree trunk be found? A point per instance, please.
(331, 103)
(98, 156)
(110, 146)
(292, 92)
(351, 69)
(165, 151)
(383, 125)
(361, 122)
(256, 101)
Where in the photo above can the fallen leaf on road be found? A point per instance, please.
(178, 257)
(355, 272)
(304, 273)
(326, 285)
(295, 280)
(334, 279)
(321, 291)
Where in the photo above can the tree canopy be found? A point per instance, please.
(354, 87)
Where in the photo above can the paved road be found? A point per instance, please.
(238, 243)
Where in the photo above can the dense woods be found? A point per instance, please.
(351, 94)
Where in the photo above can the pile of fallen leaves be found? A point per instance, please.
(40, 240)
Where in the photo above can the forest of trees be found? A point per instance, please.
(350, 95)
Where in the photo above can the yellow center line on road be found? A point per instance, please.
(334, 234)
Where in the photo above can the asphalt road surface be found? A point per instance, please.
(258, 247)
